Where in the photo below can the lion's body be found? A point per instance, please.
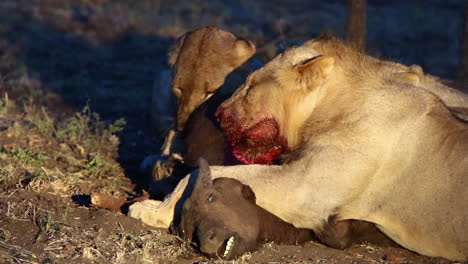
(365, 147)
(414, 190)
(361, 145)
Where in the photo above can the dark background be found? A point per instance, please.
(107, 53)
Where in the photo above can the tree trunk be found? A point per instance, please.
(356, 24)
(463, 68)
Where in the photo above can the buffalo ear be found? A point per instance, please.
(248, 193)
(175, 49)
(242, 50)
(187, 222)
(308, 74)
(204, 175)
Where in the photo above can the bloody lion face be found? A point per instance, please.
(260, 143)
(263, 117)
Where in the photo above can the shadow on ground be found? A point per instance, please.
(114, 77)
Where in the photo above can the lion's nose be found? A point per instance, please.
(219, 113)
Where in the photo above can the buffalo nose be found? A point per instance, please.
(211, 234)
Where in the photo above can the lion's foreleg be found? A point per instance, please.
(306, 193)
(157, 213)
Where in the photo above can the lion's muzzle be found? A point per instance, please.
(260, 143)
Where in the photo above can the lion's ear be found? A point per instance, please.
(175, 49)
(416, 68)
(242, 50)
(308, 74)
(407, 77)
(315, 70)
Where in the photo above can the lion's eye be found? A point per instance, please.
(210, 197)
(247, 89)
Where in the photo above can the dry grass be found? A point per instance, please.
(39, 147)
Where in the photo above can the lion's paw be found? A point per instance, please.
(152, 212)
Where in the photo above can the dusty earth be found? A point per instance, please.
(75, 85)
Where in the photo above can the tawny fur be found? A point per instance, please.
(201, 60)
(444, 89)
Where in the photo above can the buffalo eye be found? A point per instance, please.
(210, 197)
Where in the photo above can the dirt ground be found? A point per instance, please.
(75, 86)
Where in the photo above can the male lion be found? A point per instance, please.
(362, 146)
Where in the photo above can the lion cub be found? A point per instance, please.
(201, 61)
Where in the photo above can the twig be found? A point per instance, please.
(166, 148)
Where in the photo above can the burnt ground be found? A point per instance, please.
(75, 86)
